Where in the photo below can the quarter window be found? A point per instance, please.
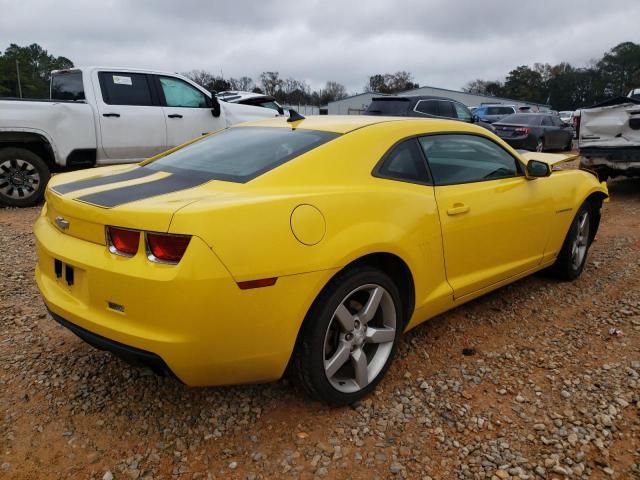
(462, 112)
(405, 162)
(125, 88)
(180, 94)
(466, 158)
(428, 107)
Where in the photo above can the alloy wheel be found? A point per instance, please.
(360, 338)
(540, 145)
(18, 178)
(581, 241)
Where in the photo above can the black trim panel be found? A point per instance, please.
(133, 356)
(133, 174)
(132, 193)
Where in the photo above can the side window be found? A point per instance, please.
(557, 122)
(180, 94)
(404, 162)
(462, 112)
(546, 121)
(428, 107)
(466, 158)
(125, 88)
(446, 109)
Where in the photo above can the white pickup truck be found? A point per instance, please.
(100, 116)
(609, 137)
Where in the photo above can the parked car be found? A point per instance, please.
(535, 131)
(279, 244)
(251, 98)
(609, 138)
(494, 113)
(423, 106)
(100, 116)
(634, 93)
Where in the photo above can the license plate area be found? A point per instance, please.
(62, 270)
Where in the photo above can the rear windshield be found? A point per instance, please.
(67, 86)
(388, 107)
(241, 154)
(499, 110)
(522, 119)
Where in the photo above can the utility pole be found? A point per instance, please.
(18, 73)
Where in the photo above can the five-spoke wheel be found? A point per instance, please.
(349, 337)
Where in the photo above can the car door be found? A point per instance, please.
(187, 110)
(553, 134)
(494, 222)
(132, 125)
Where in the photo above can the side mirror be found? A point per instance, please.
(215, 105)
(475, 118)
(281, 110)
(537, 169)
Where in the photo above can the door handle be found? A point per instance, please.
(457, 209)
(174, 115)
(111, 115)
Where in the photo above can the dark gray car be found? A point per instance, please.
(494, 113)
(423, 106)
(535, 131)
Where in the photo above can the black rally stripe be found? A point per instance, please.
(132, 193)
(133, 174)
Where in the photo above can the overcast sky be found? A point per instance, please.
(443, 43)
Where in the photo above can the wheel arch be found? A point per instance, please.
(35, 142)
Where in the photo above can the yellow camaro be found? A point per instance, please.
(311, 244)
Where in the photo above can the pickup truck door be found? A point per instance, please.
(495, 222)
(187, 110)
(132, 124)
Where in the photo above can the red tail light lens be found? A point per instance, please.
(167, 248)
(123, 241)
(522, 131)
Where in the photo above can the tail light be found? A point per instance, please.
(522, 131)
(123, 241)
(165, 248)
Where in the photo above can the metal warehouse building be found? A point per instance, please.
(357, 104)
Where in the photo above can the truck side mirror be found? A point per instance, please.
(215, 105)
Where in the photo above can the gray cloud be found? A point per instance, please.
(443, 43)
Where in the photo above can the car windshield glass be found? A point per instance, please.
(388, 107)
(242, 153)
(522, 119)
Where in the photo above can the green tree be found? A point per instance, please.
(620, 68)
(35, 65)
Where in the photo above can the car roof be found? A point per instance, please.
(345, 123)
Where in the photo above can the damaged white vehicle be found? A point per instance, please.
(609, 137)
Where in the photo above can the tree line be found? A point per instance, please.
(565, 86)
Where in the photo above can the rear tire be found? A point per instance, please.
(23, 177)
(573, 254)
(349, 337)
(569, 146)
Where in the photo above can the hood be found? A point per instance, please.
(550, 159)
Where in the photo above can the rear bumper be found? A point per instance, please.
(524, 143)
(191, 317)
(131, 355)
(611, 161)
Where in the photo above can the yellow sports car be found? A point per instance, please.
(310, 243)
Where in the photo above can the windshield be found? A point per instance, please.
(241, 154)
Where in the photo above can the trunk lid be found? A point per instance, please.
(81, 204)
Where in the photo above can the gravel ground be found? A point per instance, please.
(524, 383)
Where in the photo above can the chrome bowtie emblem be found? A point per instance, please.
(62, 223)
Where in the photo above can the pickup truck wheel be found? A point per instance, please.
(349, 337)
(23, 177)
(573, 255)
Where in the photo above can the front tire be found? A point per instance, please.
(23, 177)
(349, 337)
(573, 255)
